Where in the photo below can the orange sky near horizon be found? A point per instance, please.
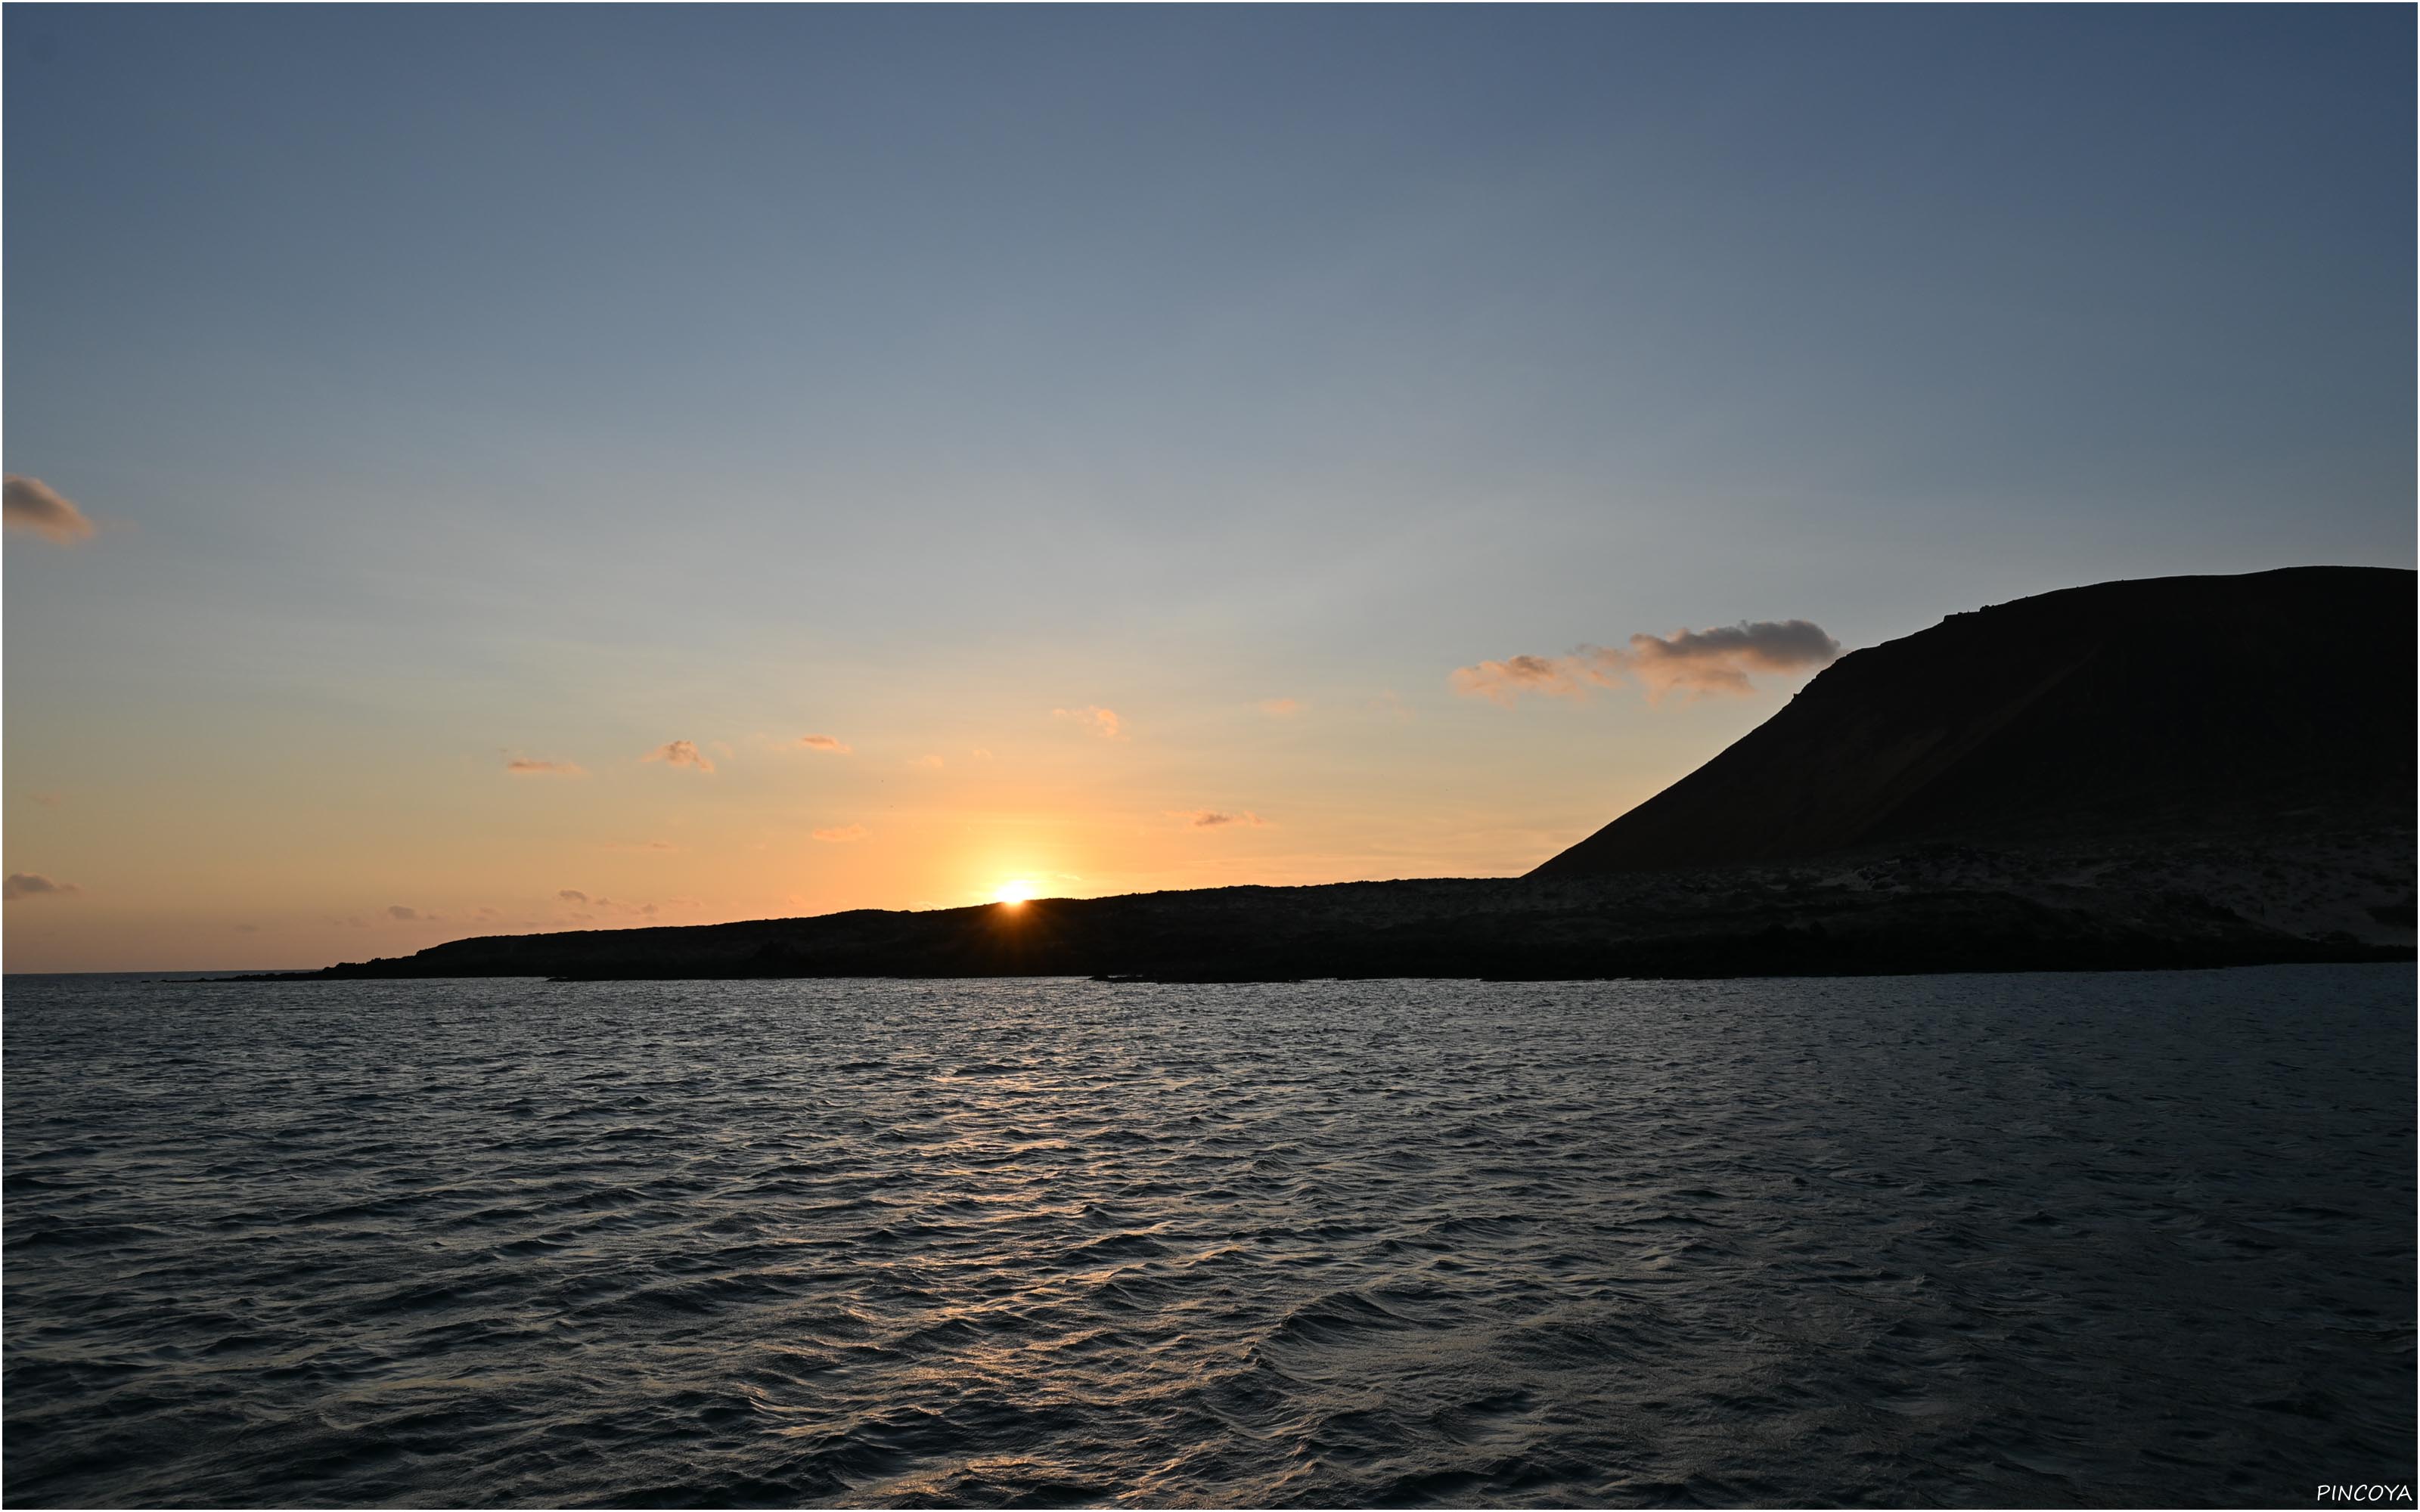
(286, 859)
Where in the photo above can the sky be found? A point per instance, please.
(481, 468)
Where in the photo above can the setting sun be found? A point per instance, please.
(1013, 891)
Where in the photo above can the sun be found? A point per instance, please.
(1013, 891)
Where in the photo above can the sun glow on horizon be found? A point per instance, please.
(1013, 891)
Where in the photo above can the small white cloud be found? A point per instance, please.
(1691, 662)
(31, 504)
(34, 884)
(680, 754)
(1213, 818)
(1103, 722)
(522, 766)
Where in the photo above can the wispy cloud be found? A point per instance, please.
(930, 762)
(680, 754)
(31, 504)
(1279, 708)
(34, 884)
(524, 766)
(1690, 661)
(1103, 722)
(572, 895)
(841, 835)
(1213, 818)
(823, 743)
(403, 914)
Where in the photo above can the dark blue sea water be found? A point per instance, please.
(2040, 1239)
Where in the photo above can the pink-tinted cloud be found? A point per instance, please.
(680, 754)
(521, 766)
(841, 835)
(34, 884)
(1689, 661)
(1572, 676)
(824, 743)
(1213, 818)
(1103, 722)
(31, 504)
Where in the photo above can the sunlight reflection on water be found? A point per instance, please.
(2111, 1239)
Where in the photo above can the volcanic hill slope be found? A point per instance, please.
(2178, 772)
(2175, 705)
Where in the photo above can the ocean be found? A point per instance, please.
(2122, 1238)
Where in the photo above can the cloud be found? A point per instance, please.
(245, 929)
(842, 834)
(31, 504)
(572, 895)
(1279, 708)
(34, 884)
(979, 754)
(823, 743)
(1690, 661)
(930, 763)
(1719, 660)
(1212, 818)
(1568, 676)
(1103, 721)
(399, 911)
(520, 766)
(680, 754)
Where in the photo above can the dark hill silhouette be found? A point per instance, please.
(2168, 705)
(2181, 772)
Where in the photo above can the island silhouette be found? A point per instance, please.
(2173, 772)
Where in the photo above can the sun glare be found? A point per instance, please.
(1013, 891)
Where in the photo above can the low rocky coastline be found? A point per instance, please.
(2256, 898)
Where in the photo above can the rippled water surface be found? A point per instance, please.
(2121, 1239)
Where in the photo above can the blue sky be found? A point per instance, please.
(465, 379)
